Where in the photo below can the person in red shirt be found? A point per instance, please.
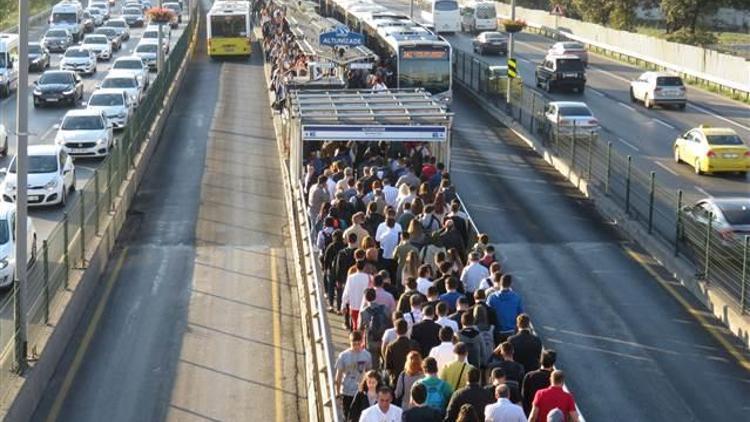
(553, 397)
(428, 169)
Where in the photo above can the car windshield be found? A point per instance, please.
(106, 100)
(724, 140)
(173, 6)
(572, 46)
(135, 12)
(35, 49)
(117, 24)
(110, 32)
(64, 17)
(575, 111)
(54, 78)
(76, 53)
(128, 64)
(119, 83)
(669, 81)
(95, 11)
(56, 34)
(38, 164)
(736, 213)
(574, 65)
(151, 34)
(493, 36)
(95, 40)
(82, 123)
(4, 232)
(146, 48)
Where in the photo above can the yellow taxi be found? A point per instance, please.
(712, 150)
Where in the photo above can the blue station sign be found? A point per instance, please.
(341, 36)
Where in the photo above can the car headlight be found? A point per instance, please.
(122, 114)
(101, 140)
(10, 187)
(4, 263)
(37, 92)
(70, 91)
(51, 185)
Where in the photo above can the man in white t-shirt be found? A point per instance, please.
(354, 293)
(443, 352)
(383, 411)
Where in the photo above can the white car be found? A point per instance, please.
(135, 65)
(97, 15)
(121, 26)
(101, 5)
(570, 118)
(151, 33)
(51, 176)
(114, 103)
(3, 141)
(126, 80)
(147, 51)
(79, 59)
(99, 44)
(8, 244)
(85, 133)
(658, 88)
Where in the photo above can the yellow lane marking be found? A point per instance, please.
(276, 315)
(86, 341)
(647, 262)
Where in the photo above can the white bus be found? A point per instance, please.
(68, 15)
(442, 15)
(478, 16)
(229, 29)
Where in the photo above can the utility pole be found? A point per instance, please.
(411, 9)
(511, 50)
(22, 128)
(160, 52)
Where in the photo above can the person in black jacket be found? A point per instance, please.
(527, 348)
(329, 258)
(503, 358)
(366, 396)
(450, 238)
(419, 411)
(538, 380)
(426, 332)
(395, 353)
(341, 264)
(472, 394)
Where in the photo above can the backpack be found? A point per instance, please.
(378, 324)
(327, 239)
(435, 398)
(474, 347)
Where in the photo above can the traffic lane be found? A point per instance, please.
(621, 338)
(632, 131)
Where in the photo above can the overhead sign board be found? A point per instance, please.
(374, 133)
(341, 36)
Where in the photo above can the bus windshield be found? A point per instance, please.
(64, 17)
(486, 12)
(427, 67)
(446, 5)
(228, 26)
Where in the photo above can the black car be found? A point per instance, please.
(88, 22)
(38, 57)
(113, 35)
(490, 42)
(58, 86)
(561, 72)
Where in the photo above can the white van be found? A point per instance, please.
(8, 64)
(68, 15)
(478, 16)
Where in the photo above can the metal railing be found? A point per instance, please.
(67, 245)
(720, 257)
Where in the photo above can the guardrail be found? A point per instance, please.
(69, 241)
(737, 89)
(591, 160)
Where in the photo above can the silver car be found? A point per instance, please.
(114, 103)
(57, 40)
(125, 80)
(569, 118)
(731, 216)
(121, 26)
(135, 65)
(79, 59)
(147, 51)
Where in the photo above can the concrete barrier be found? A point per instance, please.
(27, 390)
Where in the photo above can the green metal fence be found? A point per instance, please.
(65, 248)
(720, 258)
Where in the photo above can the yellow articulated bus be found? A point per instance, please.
(229, 29)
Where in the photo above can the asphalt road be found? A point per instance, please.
(647, 135)
(631, 349)
(197, 318)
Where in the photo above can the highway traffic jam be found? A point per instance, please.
(93, 66)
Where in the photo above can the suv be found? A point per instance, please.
(564, 72)
(658, 88)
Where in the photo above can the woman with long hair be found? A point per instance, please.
(458, 263)
(467, 414)
(366, 396)
(417, 206)
(439, 207)
(412, 373)
(416, 233)
(425, 193)
(411, 266)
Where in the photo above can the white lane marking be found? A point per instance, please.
(667, 169)
(47, 133)
(663, 123)
(703, 191)
(601, 94)
(711, 113)
(524, 60)
(628, 144)
(626, 106)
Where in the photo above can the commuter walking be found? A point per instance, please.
(374, 321)
(438, 391)
(351, 365)
(503, 358)
(383, 411)
(553, 397)
(506, 305)
(503, 410)
(354, 293)
(456, 373)
(443, 352)
(538, 380)
(418, 410)
(395, 354)
(366, 396)
(527, 348)
(472, 393)
(426, 332)
(407, 378)
(472, 274)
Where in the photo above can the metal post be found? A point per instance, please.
(533, 111)
(66, 246)
(82, 224)
(707, 255)
(678, 224)
(511, 44)
(22, 128)
(573, 151)
(627, 186)
(744, 274)
(589, 159)
(651, 202)
(109, 182)
(45, 257)
(609, 168)
(96, 202)
(160, 51)
(411, 9)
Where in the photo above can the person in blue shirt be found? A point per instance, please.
(506, 305)
(452, 294)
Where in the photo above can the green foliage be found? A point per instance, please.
(687, 36)
(596, 11)
(9, 10)
(681, 14)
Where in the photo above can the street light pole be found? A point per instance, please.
(22, 127)
(511, 49)
(411, 9)
(160, 52)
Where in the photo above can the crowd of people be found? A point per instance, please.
(437, 332)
